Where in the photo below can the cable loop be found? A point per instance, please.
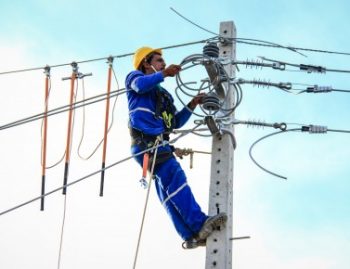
(216, 93)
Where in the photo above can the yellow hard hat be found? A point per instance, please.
(141, 53)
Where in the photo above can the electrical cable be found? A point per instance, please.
(238, 40)
(262, 138)
(197, 25)
(96, 172)
(102, 58)
(314, 129)
(201, 59)
(258, 42)
(255, 42)
(62, 109)
(83, 127)
(339, 131)
(307, 68)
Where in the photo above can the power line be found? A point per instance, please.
(312, 129)
(164, 143)
(83, 128)
(247, 41)
(238, 40)
(307, 67)
(101, 58)
(262, 43)
(58, 110)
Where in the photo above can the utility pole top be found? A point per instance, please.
(219, 245)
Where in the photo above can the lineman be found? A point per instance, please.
(153, 114)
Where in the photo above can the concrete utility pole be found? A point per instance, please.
(219, 244)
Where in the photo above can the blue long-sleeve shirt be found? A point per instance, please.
(142, 100)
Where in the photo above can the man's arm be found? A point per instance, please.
(184, 115)
(142, 83)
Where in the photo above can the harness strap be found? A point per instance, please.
(145, 141)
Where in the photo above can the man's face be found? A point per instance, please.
(158, 62)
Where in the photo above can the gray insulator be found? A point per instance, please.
(211, 50)
(211, 102)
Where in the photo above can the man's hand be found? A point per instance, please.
(171, 70)
(198, 99)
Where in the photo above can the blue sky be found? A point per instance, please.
(299, 223)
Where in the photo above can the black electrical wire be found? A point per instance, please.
(238, 40)
(258, 42)
(101, 58)
(338, 90)
(62, 109)
(321, 51)
(164, 143)
(319, 69)
(197, 25)
(338, 131)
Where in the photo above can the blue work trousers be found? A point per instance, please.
(176, 196)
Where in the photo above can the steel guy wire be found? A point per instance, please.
(97, 172)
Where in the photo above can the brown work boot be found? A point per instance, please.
(210, 224)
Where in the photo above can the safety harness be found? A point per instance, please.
(148, 141)
(165, 109)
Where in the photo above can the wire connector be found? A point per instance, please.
(213, 127)
(47, 70)
(81, 75)
(143, 183)
(258, 123)
(319, 89)
(286, 86)
(314, 129)
(312, 68)
(260, 63)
